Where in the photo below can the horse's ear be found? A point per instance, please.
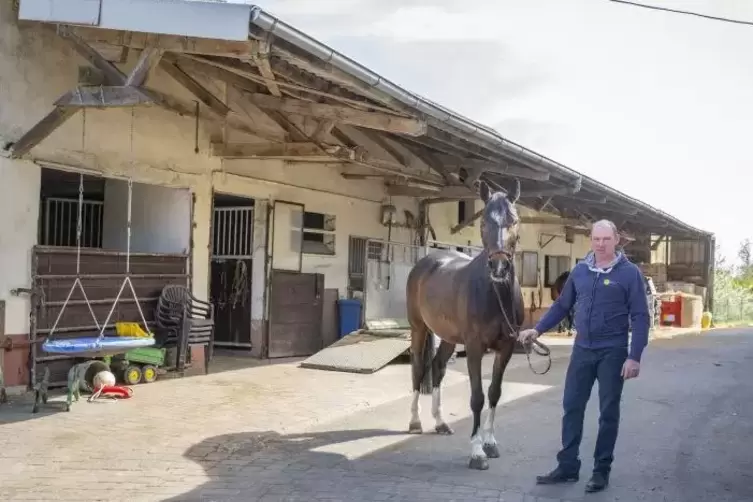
(514, 194)
(484, 192)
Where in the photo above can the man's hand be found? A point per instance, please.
(630, 369)
(527, 336)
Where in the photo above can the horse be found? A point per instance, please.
(556, 291)
(476, 302)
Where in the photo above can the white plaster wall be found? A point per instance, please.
(19, 207)
(155, 147)
(160, 218)
(355, 205)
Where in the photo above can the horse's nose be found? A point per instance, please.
(499, 267)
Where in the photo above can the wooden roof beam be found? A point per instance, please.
(450, 192)
(113, 77)
(260, 58)
(272, 150)
(97, 96)
(216, 105)
(341, 114)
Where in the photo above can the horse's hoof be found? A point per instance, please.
(478, 463)
(444, 429)
(415, 428)
(491, 450)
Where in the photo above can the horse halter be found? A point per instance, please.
(499, 255)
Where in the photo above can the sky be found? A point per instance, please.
(657, 105)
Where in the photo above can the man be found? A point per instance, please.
(608, 294)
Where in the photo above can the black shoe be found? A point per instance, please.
(557, 476)
(597, 483)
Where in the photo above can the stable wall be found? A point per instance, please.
(152, 147)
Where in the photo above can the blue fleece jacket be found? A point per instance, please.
(608, 304)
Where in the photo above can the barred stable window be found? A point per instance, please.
(527, 266)
(554, 266)
(318, 233)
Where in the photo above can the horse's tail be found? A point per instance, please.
(427, 357)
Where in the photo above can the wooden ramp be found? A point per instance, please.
(364, 351)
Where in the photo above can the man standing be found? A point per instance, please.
(608, 293)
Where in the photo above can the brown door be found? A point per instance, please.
(295, 324)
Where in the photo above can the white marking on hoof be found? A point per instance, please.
(478, 457)
(489, 441)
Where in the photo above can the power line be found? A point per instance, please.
(688, 13)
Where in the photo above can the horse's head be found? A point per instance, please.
(499, 230)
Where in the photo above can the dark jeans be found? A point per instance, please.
(587, 366)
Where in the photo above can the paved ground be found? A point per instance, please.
(282, 433)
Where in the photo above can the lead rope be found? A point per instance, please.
(545, 351)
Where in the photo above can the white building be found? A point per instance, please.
(263, 164)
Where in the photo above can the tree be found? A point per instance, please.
(733, 286)
(744, 276)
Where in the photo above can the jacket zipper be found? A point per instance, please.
(590, 310)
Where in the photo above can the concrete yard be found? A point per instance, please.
(279, 432)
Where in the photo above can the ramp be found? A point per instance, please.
(364, 351)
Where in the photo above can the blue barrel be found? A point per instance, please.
(350, 316)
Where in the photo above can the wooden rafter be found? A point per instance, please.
(104, 97)
(254, 150)
(191, 85)
(466, 223)
(261, 60)
(258, 79)
(341, 114)
(450, 192)
(60, 114)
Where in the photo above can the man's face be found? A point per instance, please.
(603, 241)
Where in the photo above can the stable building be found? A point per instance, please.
(264, 170)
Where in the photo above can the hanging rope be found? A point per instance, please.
(127, 280)
(79, 230)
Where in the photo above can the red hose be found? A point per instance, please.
(116, 391)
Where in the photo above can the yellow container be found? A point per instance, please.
(706, 320)
(131, 329)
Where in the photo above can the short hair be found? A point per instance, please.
(608, 224)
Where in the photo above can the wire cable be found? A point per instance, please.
(685, 12)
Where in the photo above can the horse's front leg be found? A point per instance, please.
(478, 457)
(495, 392)
(439, 367)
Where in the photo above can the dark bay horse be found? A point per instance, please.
(476, 302)
(556, 291)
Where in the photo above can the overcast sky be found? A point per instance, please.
(657, 105)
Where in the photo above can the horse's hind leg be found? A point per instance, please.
(478, 457)
(438, 369)
(422, 353)
(495, 392)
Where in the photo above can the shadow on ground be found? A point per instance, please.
(683, 439)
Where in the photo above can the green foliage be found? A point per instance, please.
(733, 287)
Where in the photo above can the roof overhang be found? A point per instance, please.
(297, 70)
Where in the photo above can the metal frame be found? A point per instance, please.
(96, 210)
(237, 218)
(241, 249)
(271, 243)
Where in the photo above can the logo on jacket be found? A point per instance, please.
(606, 282)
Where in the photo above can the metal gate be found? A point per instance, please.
(231, 265)
(387, 267)
(59, 217)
